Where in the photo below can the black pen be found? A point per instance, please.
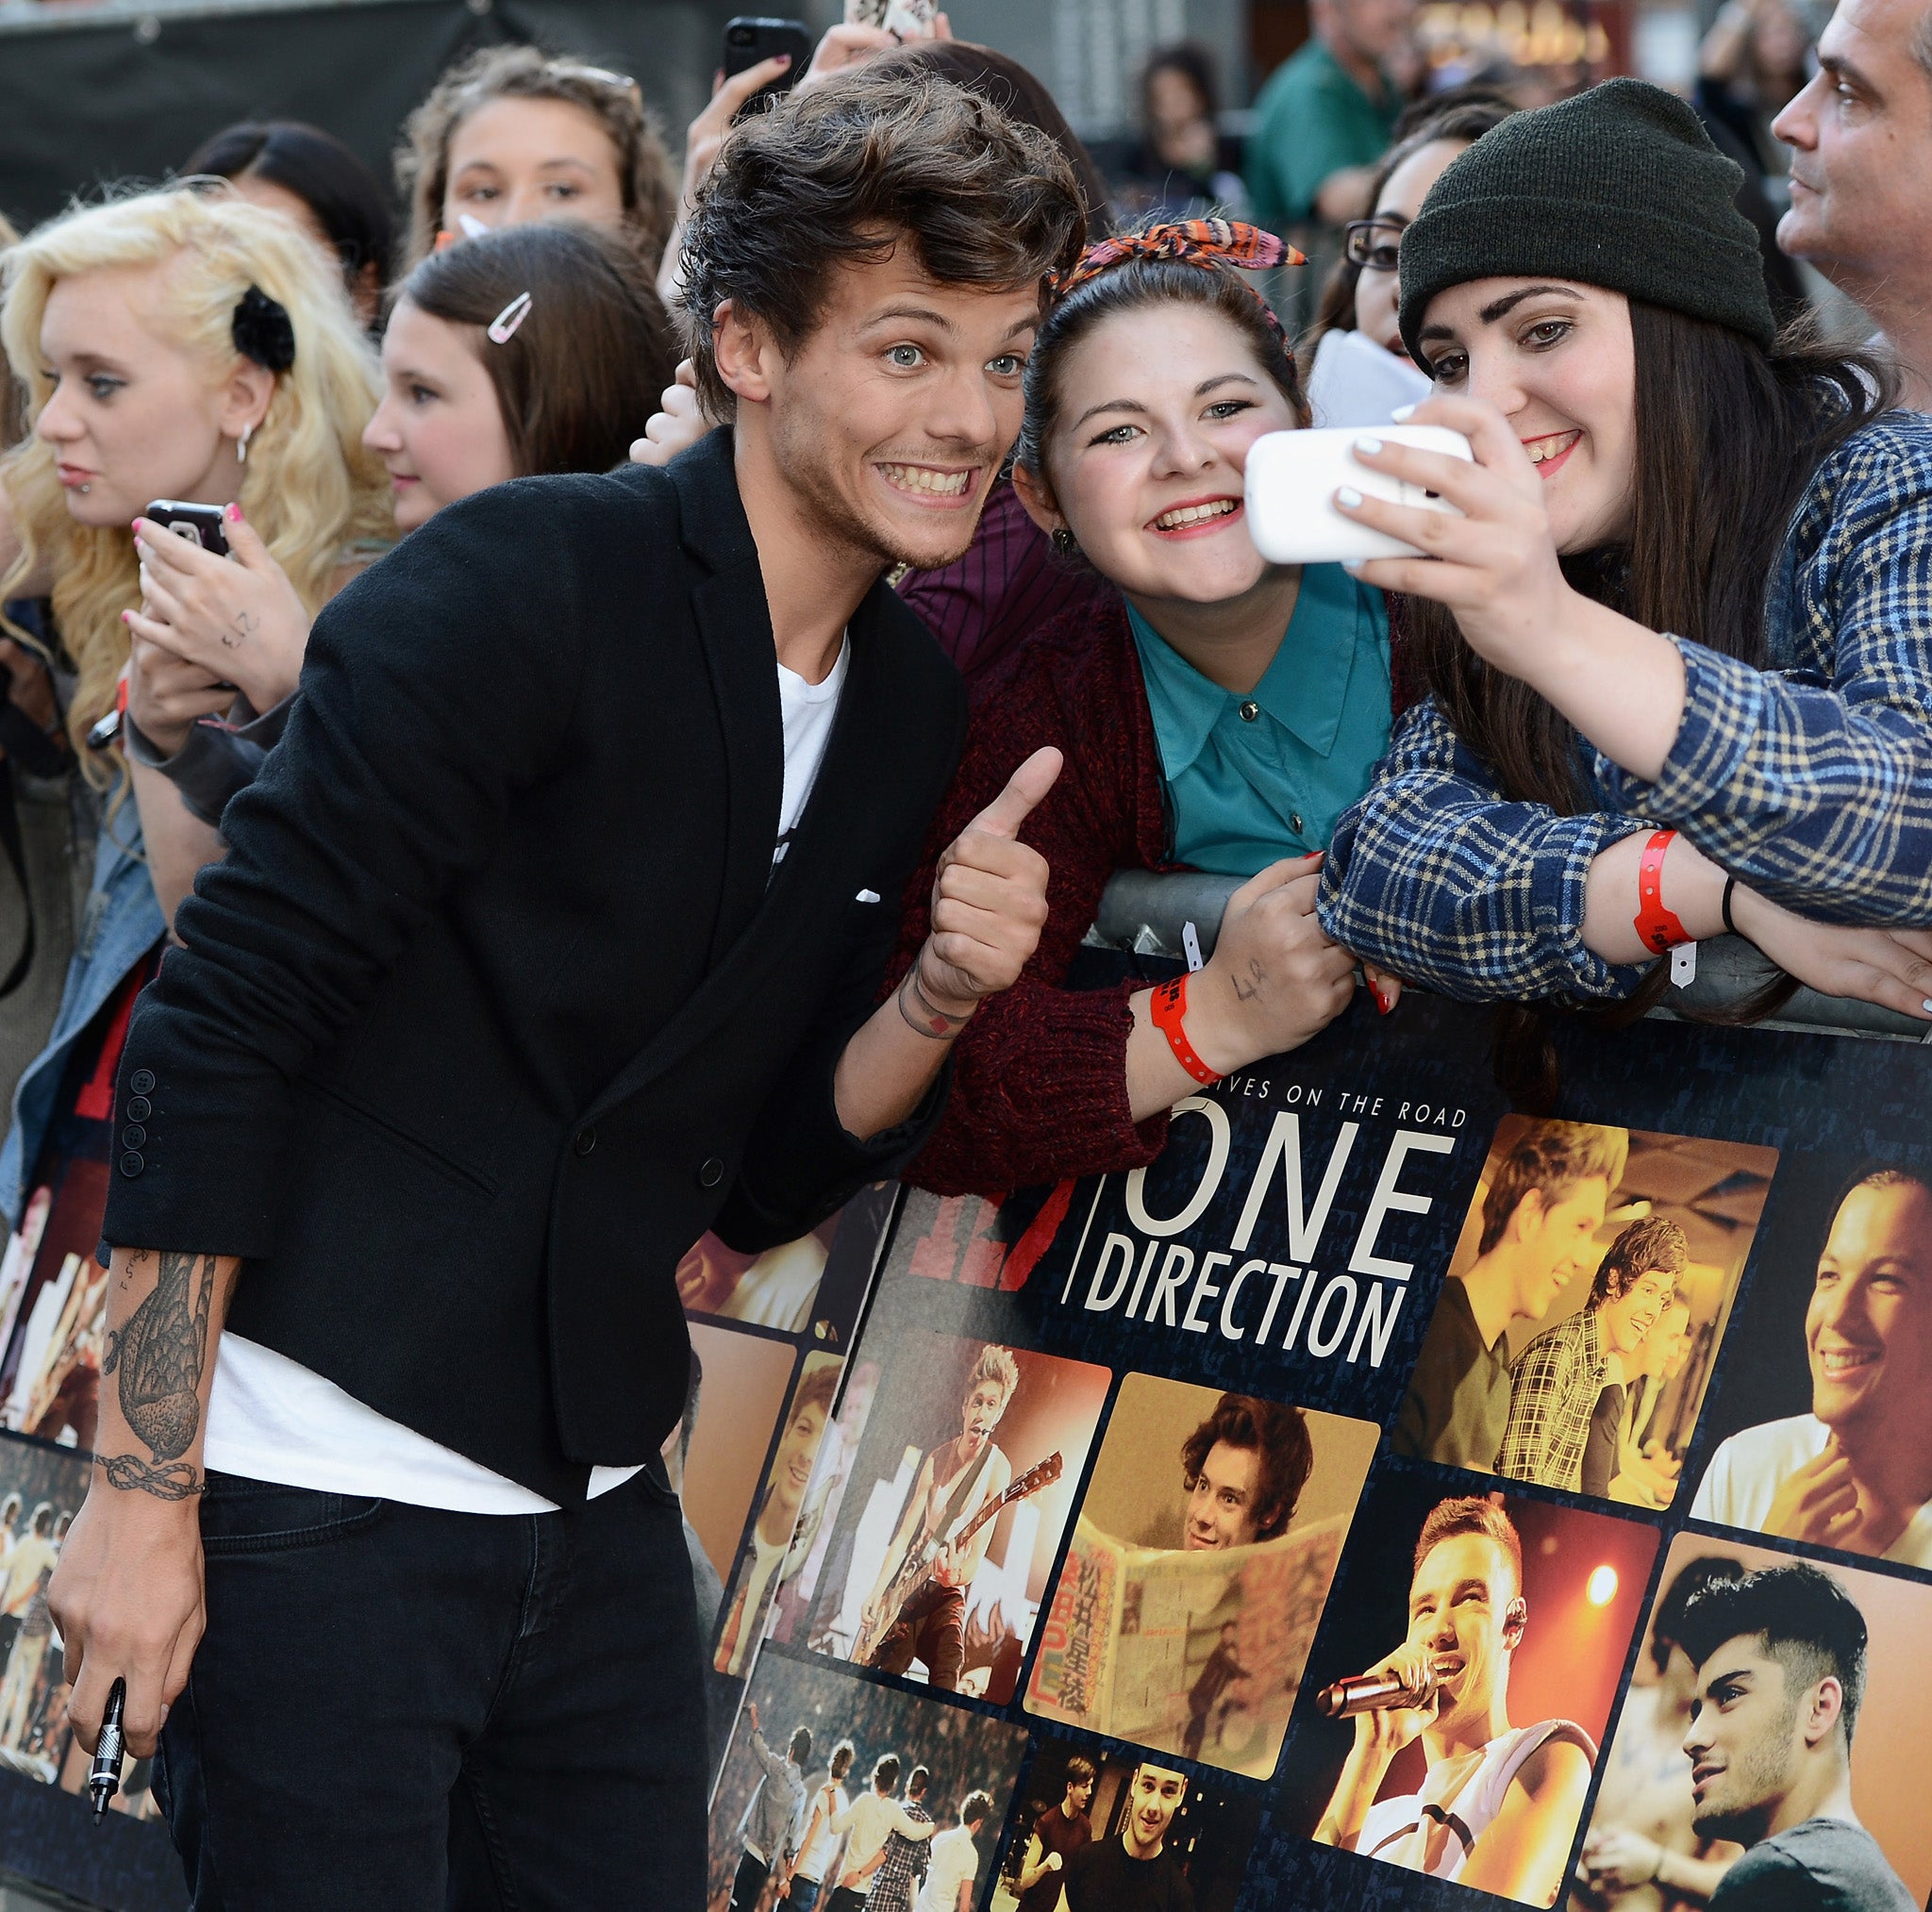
(104, 1775)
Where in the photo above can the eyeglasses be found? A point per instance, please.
(1374, 243)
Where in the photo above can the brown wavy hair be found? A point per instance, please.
(527, 72)
(840, 175)
(1278, 1435)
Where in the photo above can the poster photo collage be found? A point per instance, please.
(1383, 1500)
(1372, 1503)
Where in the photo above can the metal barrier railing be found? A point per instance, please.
(1146, 912)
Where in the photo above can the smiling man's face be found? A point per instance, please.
(1868, 1331)
(894, 415)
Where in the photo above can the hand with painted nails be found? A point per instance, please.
(236, 620)
(1890, 967)
(1274, 978)
(1495, 566)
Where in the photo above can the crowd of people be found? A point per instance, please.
(376, 592)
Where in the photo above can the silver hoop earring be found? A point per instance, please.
(242, 444)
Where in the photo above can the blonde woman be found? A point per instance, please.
(170, 345)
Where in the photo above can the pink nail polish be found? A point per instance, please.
(234, 514)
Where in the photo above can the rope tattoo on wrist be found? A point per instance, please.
(161, 1356)
(929, 1021)
(172, 1481)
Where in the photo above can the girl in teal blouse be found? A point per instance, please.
(1219, 713)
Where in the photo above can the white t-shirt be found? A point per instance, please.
(1435, 1830)
(871, 1821)
(955, 1863)
(271, 1419)
(818, 1855)
(1747, 1470)
(807, 711)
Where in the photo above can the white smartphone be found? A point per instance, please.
(1293, 477)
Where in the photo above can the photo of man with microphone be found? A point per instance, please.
(1497, 1804)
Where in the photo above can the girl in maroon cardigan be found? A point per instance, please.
(1155, 370)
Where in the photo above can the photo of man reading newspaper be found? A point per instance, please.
(1198, 1569)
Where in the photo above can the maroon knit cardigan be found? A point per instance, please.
(1039, 1078)
(1039, 1081)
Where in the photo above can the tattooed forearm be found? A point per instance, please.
(161, 1355)
(172, 1480)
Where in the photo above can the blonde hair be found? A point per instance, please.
(998, 1365)
(309, 488)
(526, 73)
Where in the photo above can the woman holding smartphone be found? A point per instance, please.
(170, 345)
(1216, 712)
(1679, 645)
(526, 352)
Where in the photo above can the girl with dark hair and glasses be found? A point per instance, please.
(1678, 643)
(1357, 368)
(1216, 712)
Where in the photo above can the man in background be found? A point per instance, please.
(1780, 1672)
(1245, 1469)
(903, 1861)
(772, 1533)
(1554, 1382)
(772, 1816)
(1860, 135)
(1545, 1204)
(1222, 1670)
(1326, 116)
(1856, 1473)
(1498, 1804)
(1138, 1871)
(870, 1818)
(956, 1859)
(1059, 1835)
(1641, 1852)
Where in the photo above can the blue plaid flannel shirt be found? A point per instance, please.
(1812, 781)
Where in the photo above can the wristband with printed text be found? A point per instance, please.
(1170, 1009)
(1657, 927)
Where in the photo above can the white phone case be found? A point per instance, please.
(1293, 477)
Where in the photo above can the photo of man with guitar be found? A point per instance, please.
(959, 1492)
(917, 1608)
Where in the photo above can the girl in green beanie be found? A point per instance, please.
(1678, 647)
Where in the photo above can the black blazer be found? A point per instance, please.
(497, 1003)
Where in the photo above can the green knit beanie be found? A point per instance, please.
(1619, 187)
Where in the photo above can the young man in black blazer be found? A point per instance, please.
(549, 938)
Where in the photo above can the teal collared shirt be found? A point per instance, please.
(1313, 119)
(1253, 779)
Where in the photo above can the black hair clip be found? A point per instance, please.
(262, 332)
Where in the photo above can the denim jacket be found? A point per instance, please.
(1810, 780)
(121, 922)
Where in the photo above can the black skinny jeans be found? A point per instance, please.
(399, 1707)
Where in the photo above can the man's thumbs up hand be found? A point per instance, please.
(988, 903)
